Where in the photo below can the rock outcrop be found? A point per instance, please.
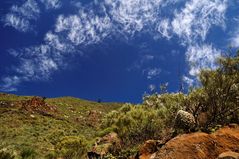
(103, 145)
(229, 155)
(150, 147)
(38, 105)
(200, 145)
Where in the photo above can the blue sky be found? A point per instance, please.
(115, 50)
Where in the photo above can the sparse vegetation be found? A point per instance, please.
(28, 153)
(27, 133)
(72, 147)
(5, 154)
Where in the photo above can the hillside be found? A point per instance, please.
(29, 125)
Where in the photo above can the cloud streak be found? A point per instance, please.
(21, 17)
(201, 57)
(193, 22)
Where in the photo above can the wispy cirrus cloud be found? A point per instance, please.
(200, 57)
(83, 28)
(164, 28)
(189, 22)
(152, 73)
(34, 63)
(193, 22)
(21, 17)
(52, 4)
(10, 83)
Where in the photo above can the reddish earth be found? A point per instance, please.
(199, 145)
(38, 105)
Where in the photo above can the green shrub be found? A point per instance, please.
(153, 120)
(222, 91)
(51, 155)
(72, 147)
(109, 156)
(126, 108)
(28, 153)
(4, 154)
(106, 131)
(218, 98)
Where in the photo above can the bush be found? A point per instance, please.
(72, 147)
(4, 154)
(106, 131)
(167, 104)
(138, 125)
(135, 124)
(51, 155)
(217, 101)
(28, 153)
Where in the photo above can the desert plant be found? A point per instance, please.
(222, 90)
(136, 123)
(72, 147)
(28, 153)
(216, 101)
(4, 154)
(51, 155)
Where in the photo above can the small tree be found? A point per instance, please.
(219, 94)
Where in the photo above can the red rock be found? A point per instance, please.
(200, 145)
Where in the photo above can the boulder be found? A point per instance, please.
(104, 145)
(229, 155)
(201, 145)
(150, 147)
(184, 120)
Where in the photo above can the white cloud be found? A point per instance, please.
(29, 9)
(52, 4)
(189, 81)
(17, 22)
(35, 63)
(133, 16)
(152, 87)
(20, 17)
(194, 21)
(10, 83)
(164, 28)
(84, 28)
(59, 45)
(152, 72)
(201, 57)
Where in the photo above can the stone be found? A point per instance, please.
(184, 120)
(229, 155)
(104, 144)
(150, 147)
